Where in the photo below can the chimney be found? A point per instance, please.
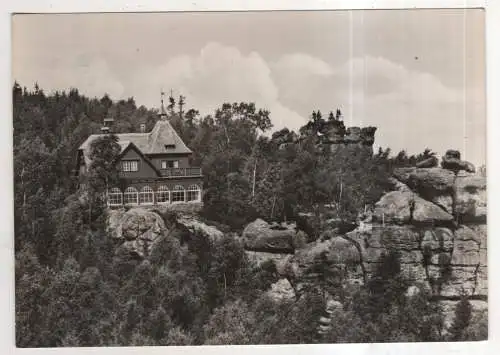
(143, 128)
(107, 124)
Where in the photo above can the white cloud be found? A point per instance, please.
(302, 64)
(215, 75)
(412, 109)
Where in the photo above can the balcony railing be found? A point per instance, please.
(180, 172)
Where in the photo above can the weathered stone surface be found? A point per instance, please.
(282, 290)
(482, 281)
(438, 239)
(413, 271)
(394, 207)
(465, 252)
(444, 201)
(426, 212)
(397, 237)
(451, 161)
(431, 182)
(138, 228)
(483, 257)
(135, 223)
(470, 198)
(196, 226)
(192, 208)
(463, 279)
(428, 163)
(261, 236)
(466, 233)
(403, 174)
(336, 251)
(398, 185)
(280, 260)
(452, 154)
(353, 135)
(373, 255)
(481, 231)
(440, 258)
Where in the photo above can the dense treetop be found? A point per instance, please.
(202, 291)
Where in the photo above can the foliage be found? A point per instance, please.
(75, 287)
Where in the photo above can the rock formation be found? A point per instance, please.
(435, 219)
(451, 161)
(138, 230)
(282, 238)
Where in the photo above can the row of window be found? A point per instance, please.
(133, 165)
(131, 196)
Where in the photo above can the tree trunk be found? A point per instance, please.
(253, 185)
(225, 285)
(272, 208)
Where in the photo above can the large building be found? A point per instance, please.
(154, 167)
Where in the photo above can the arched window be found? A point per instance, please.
(146, 197)
(163, 195)
(131, 196)
(115, 197)
(193, 193)
(178, 194)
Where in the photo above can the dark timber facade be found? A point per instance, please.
(154, 168)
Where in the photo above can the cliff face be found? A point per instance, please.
(355, 138)
(435, 219)
(334, 136)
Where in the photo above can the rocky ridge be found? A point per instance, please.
(434, 217)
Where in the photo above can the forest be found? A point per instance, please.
(73, 290)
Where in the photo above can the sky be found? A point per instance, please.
(418, 75)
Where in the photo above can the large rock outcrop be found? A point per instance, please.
(436, 220)
(138, 230)
(451, 161)
(272, 238)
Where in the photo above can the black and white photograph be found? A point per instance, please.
(249, 177)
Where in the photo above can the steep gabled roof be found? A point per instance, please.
(129, 145)
(162, 135)
(162, 139)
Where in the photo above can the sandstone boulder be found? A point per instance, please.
(465, 247)
(394, 208)
(397, 185)
(426, 212)
(257, 258)
(431, 182)
(136, 223)
(282, 290)
(482, 281)
(463, 280)
(353, 135)
(195, 226)
(470, 198)
(139, 229)
(403, 174)
(261, 236)
(335, 254)
(438, 239)
(451, 161)
(368, 135)
(431, 162)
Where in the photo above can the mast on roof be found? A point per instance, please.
(163, 113)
